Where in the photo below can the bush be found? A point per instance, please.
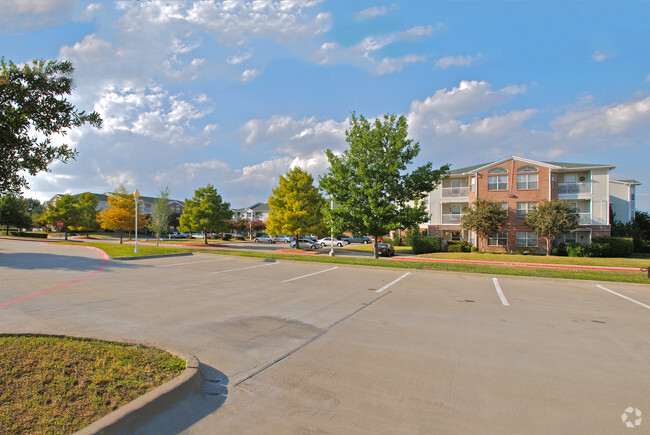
(225, 237)
(560, 251)
(397, 240)
(475, 249)
(585, 249)
(426, 244)
(25, 234)
(615, 246)
(462, 246)
(454, 248)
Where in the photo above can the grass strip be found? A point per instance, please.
(595, 275)
(61, 385)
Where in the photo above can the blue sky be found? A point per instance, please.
(235, 93)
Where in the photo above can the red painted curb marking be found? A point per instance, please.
(495, 263)
(293, 252)
(102, 253)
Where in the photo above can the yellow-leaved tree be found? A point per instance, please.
(119, 215)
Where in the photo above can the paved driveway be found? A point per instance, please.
(289, 347)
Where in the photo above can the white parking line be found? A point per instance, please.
(242, 268)
(393, 282)
(624, 297)
(311, 274)
(504, 301)
(193, 262)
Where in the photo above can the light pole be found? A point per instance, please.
(332, 231)
(136, 195)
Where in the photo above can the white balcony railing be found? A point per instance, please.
(574, 188)
(455, 192)
(451, 219)
(585, 219)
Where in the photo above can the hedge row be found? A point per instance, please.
(25, 234)
(602, 247)
(426, 244)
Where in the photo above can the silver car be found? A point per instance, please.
(306, 244)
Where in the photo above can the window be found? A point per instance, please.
(554, 181)
(455, 183)
(527, 169)
(498, 182)
(572, 205)
(569, 238)
(524, 207)
(472, 184)
(498, 171)
(526, 181)
(456, 236)
(455, 209)
(504, 205)
(526, 240)
(498, 239)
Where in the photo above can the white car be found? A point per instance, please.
(306, 244)
(286, 239)
(328, 241)
(265, 238)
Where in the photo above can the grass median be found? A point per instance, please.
(61, 385)
(635, 276)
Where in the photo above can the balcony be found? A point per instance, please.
(451, 219)
(574, 188)
(455, 192)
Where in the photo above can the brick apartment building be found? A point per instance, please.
(518, 184)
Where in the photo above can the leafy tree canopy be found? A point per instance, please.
(14, 211)
(205, 212)
(485, 218)
(550, 219)
(65, 209)
(369, 183)
(33, 107)
(296, 206)
(161, 215)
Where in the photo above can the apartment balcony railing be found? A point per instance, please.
(451, 219)
(585, 219)
(574, 188)
(455, 192)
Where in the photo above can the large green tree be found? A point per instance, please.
(160, 215)
(550, 219)
(205, 212)
(369, 183)
(66, 210)
(295, 206)
(14, 212)
(484, 218)
(33, 108)
(87, 205)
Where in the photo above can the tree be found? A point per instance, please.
(160, 215)
(87, 205)
(14, 211)
(257, 226)
(33, 108)
(550, 219)
(119, 215)
(370, 184)
(205, 212)
(66, 210)
(295, 206)
(484, 218)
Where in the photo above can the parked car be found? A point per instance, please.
(327, 241)
(265, 238)
(365, 240)
(384, 249)
(284, 238)
(175, 235)
(306, 244)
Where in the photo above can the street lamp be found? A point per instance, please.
(332, 231)
(136, 195)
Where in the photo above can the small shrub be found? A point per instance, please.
(426, 244)
(560, 251)
(615, 246)
(27, 234)
(454, 248)
(475, 249)
(459, 246)
(585, 249)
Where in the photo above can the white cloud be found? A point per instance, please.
(598, 56)
(21, 16)
(391, 65)
(375, 11)
(90, 12)
(449, 61)
(240, 57)
(415, 33)
(249, 75)
(90, 49)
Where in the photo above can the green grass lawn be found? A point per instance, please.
(60, 385)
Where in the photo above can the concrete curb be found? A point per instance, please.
(126, 418)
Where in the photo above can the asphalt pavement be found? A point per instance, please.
(291, 347)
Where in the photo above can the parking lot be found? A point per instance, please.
(290, 347)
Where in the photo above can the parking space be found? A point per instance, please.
(336, 348)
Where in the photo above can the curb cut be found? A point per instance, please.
(144, 257)
(126, 418)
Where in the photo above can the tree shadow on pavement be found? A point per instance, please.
(35, 261)
(192, 408)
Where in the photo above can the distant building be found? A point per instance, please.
(175, 206)
(518, 184)
(258, 211)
